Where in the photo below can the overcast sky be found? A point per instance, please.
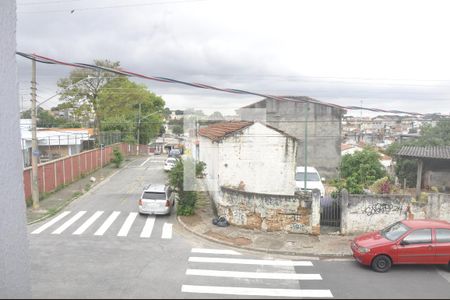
(383, 54)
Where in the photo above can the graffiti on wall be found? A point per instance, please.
(381, 208)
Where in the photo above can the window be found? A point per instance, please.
(300, 176)
(443, 235)
(154, 196)
(394, 231)
(421, 236)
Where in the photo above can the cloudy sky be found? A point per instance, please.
(383, 54)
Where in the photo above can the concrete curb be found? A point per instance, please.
(67, 202)
(280, 252)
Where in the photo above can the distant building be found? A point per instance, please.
(324, 128)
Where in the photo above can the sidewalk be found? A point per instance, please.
(324, 246)
(57, 200)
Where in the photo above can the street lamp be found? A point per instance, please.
(139, 125)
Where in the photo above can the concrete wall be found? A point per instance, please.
(295, 214)
(324, 131)
(14, 256)
(259, 160)
(362, 213)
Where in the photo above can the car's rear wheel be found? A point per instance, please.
(381, 263)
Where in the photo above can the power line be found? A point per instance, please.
(124, 72)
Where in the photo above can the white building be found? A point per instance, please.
(248, 156)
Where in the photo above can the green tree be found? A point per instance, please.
(80, 91)
(360, 170)
(177, 129)
(120, 110)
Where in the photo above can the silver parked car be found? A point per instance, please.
(156, 199)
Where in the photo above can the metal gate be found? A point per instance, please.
(330, 211)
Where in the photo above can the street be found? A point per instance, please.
(99, 247)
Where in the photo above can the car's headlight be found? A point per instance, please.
(363, 249)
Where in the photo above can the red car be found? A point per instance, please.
(404, 242)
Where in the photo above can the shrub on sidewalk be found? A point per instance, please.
(186, 203)
(117, 157)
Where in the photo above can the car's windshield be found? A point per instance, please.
(394, 231)
(310, 176)
(171, 160)
(154, 196)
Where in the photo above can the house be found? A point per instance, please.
(248, 156)
(350, 149)
(433, 166)
(323, 138)
(53, 143)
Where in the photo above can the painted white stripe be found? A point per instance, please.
(107, 223)
(69, 222)
(127, 224)
(88, 223)
(167, 231)
(50, 223)
(249, 261)
(144, 162)
(226, 290)
(261, 275)
(215, 251)
(148, 227)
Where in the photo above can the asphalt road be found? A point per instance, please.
(99, 247)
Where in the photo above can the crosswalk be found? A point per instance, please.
(100, 223)
(227, 272)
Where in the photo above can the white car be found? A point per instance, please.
(156, 199)
(313, 180)
(170, 163)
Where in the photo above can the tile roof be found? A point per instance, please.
(437, 152)
(218, 131)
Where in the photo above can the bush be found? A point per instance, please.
(200, 169)
(383, 186)
(117, 157)
(186, 204)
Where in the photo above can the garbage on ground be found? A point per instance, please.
(220, 221)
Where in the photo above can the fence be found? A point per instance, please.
(56, 173)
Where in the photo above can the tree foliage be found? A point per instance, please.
(120, 110)
(360, 170)
(113, 101)
(46, 119)
(80, 90)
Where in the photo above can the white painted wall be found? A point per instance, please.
(14, 260)
(262, 158)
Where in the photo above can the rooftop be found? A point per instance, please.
(218, 131)
(436, 152)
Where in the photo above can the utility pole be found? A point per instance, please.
(34, 146)
(306, 142)
(138, 129)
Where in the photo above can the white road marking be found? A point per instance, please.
(127, 224)
(144, 162)
(88, 223)
(249, 261)
(167, 231)
(69, 222)
(107, 223)
(256, 291)
(260, 275)
(445, 275)
(148, 227)
(215, 251)
(50, 223)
